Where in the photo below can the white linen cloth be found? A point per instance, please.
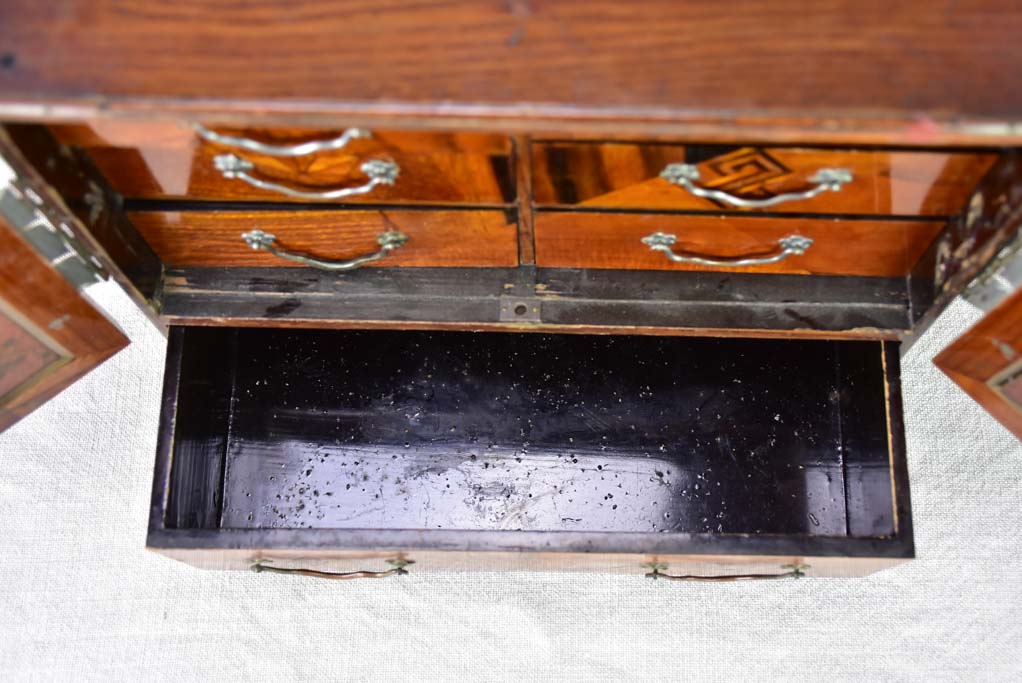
(81, 598)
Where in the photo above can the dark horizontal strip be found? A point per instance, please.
(611, 285)
(139, 205)
(718, 287)
(380, 540)
(157, 205)
(566, 297)
(540, 208)
(972, 149)
(371, 282)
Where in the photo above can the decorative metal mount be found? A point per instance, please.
(658, 571)
(792, 245)
(295, 150)
(397, 569)
(826, 179)
(389, 241)
(47, 231)
(1001, 278)
(379, 172)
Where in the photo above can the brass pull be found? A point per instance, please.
(389, 241)
(831, 179)
(795, 571)
(792, 245)
(295, 150)
(380, 173)
(397, 569)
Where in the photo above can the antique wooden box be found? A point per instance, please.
(496, 296)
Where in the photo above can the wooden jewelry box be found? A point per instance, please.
(498, 299)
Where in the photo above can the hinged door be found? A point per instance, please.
(986, 361)
(49, 334)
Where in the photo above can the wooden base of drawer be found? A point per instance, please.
(538, 451)
(840, 247)
(435, 238)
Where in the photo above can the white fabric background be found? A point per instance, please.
(80, 598)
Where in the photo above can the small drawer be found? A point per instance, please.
(342, 449)
(646, 241)
(427, 238)
(767, 179)
(170, 161)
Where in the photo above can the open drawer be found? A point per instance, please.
(341, 450)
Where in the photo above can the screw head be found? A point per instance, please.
(392, 239)
(399, 566)
(231, 166)
(384, 172)
(795, 244)
(659, 240)
(832, 178)
(679, 174)
(257, 239)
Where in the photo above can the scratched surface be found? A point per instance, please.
(406, 430)
(22, 354)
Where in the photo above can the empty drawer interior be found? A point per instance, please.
(362, 430)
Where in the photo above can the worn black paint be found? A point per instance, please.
(204, 370)
(406, 430)
(285, 307)
(567, 297)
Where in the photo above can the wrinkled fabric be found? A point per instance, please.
(81, 598)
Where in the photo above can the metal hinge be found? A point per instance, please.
(49, 233)
(519, 303)
(999, 279)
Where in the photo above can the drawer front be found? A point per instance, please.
(435, 238)
(356, 564)
(881, 248)
(612, 175)
(170, 161)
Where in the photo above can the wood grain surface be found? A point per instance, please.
(884, 182)
(988, 352)
(840, 247)
(49, 336)
(526, 56)
(436, 238)
(161, 160)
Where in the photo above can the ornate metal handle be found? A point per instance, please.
(295, 150)
(792, 245)
(795, 571)
(389, 241)
(397, 569)
(380, 173)
(826, 179)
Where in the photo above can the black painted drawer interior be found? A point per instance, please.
(479, 441)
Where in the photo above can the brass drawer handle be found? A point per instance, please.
(295, 150)
(380, 173)
(795, 571)
(826, 179)
(389, 241)
(397, 569)
(792, 245)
